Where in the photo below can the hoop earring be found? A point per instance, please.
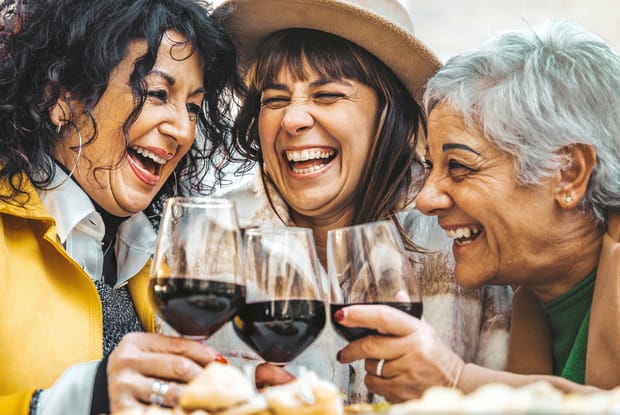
(77, 160)
(176, 185)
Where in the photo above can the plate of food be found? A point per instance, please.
(223, 389)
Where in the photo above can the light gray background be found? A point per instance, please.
(451, 26)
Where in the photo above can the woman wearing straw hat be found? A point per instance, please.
(332, 117)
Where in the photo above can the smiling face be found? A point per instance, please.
(159, 138)
(504, 232)
(316, 135)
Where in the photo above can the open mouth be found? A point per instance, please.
(464, 235)
(146, 163)
(309, 160)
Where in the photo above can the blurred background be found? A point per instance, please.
(451, 26)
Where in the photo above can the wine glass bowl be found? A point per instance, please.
(368, 264)
(195, 283)
(284, 309)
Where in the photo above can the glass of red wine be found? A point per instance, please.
(195, 282)
(368, 264)
(284, 309)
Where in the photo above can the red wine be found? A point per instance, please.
(280, 330)
(195, 307)
(354, 333)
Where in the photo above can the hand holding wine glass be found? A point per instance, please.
(195, 283)
(284, 310)
(367, 264)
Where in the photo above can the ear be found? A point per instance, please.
(579, 161)
(60, 113)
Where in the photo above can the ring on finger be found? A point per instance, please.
(159, 389)
(379, 370)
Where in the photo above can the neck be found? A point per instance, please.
(320, 227)
(575, 254)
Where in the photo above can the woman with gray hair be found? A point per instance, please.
(523, 157)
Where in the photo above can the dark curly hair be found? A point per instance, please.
(47, 46)
(394, 172)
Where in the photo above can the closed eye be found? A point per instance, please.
(275, 103)
(159, 94)
(327, 97)
(193, 110)
(459, 170)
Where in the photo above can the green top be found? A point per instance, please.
(569, 315)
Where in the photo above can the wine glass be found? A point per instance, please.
(367, 264)
(284, 309)
(195, 283)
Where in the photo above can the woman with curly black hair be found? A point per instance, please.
(100, 105)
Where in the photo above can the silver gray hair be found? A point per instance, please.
(535, 91)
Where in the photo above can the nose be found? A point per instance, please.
(178, 125)
(433, 199)
(297, 118)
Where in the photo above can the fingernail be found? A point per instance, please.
(338, 354)
(339, 315)
(219, 358)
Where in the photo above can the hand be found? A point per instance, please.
(271, 375)
(140, 359)
(414, 356)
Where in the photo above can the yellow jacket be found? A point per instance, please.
(50, 312)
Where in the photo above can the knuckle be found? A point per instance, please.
(181, 368)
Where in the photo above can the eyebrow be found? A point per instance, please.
(452, 146)
(317, 83)
(171, 81)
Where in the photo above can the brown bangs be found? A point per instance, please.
(301, 50)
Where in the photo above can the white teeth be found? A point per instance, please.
(463, 235)
(310, 169)
(308, 154)
(146, 153)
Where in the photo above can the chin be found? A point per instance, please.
(468, 280)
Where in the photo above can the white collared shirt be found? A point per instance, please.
(81, 229)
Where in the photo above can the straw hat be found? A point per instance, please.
(382, 27)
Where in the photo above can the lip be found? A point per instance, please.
(159, 152)
(309, 175)
(143, 175)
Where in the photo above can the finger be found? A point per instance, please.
(385, 319)
(372, 368)
(373, 347)
(390, 389)
(160, 392)
(270, 375)
(194, 350)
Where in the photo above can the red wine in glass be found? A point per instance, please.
(196, 308)
(195, 284)
(280, 330)
(367, 264)
(285, 308)
(354, 333)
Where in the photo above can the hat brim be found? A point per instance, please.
(249, 22)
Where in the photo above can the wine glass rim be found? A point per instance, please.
(277, 229)
(361, 225)
(201, 201)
